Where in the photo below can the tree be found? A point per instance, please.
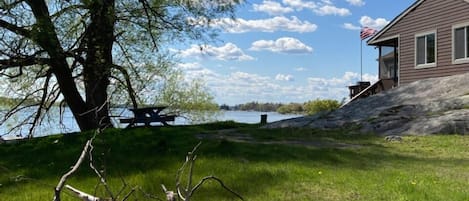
(79, 52)
(191, 100)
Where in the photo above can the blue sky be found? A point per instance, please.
(289, 50)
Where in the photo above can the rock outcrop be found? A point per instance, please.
(430, 106)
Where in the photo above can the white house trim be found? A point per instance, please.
(394, 21)
(453, 44)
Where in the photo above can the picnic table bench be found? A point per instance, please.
(148, 115)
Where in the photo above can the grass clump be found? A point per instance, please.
(268, 168)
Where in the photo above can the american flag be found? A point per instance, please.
(366, 32)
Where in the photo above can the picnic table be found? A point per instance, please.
(148, 115)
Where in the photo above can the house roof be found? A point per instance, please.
(394, 21)
(373, 39)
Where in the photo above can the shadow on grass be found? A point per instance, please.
(137, 151)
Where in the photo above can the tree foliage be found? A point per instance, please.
(191, 100)
(292, 108)
(85, 53)
(315, 106)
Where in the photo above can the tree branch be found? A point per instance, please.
(22, 61)
(187, 193)
(64, 178)
(145, 8)
(219, 181)
(41, 105)
(66, 9)
(15, 29)
(96, 171)
(130, 89)
(82, 195)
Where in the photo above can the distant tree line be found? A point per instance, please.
(10, 102)
(309, 107)
(256, 106)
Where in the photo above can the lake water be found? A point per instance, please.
(51, 125)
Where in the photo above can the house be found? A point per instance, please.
(429, 39)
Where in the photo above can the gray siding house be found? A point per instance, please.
(429, 39)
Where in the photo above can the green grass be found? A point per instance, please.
(419, 168)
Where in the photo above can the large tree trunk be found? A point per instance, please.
(72, 96)
(98, 64)
(46, 37)
(92, 113)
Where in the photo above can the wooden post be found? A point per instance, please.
(263, 119)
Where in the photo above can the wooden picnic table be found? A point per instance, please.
(148, 115)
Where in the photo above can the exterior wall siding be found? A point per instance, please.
(439, 15)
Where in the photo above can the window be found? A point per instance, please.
(461, 44)
(425, 50)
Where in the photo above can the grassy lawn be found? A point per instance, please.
(280, 164)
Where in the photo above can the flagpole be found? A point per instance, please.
(364, 33)
(361, 60)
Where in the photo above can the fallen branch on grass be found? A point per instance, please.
(182, 193)
(64, 178)
(82, 195)
(186, 193)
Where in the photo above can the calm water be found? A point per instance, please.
(51, 125)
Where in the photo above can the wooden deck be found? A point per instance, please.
(379, 86)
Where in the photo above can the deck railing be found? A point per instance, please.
(377, 87)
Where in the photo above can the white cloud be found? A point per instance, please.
(301, 69)
(282, 77)
(272, 8)
(356, 2)
(336, 88)
(190, 66)
(325, 7)
(350, 26)
(366, 21)
(241, 87)
(282, 45)
(299, 4)
(377, 23)
(332, 10)
(292, 24)
(228, 52)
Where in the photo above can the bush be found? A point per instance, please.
(292, 108)
(315, 106)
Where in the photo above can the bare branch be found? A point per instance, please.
(219, 181)
(41, 105)
(149, 195)
(149, 21)
(66, 9)
(64, 178)
(82, 195)
(102, 179)
(129, 194)
(10, 76)
(187, 193)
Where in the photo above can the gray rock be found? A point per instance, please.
(429, 106)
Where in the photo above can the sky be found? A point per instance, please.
(286, 51)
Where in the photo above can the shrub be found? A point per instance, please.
(292, 108)
(315, 106)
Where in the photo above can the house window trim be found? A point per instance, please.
(453, 44)
(426, 65)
